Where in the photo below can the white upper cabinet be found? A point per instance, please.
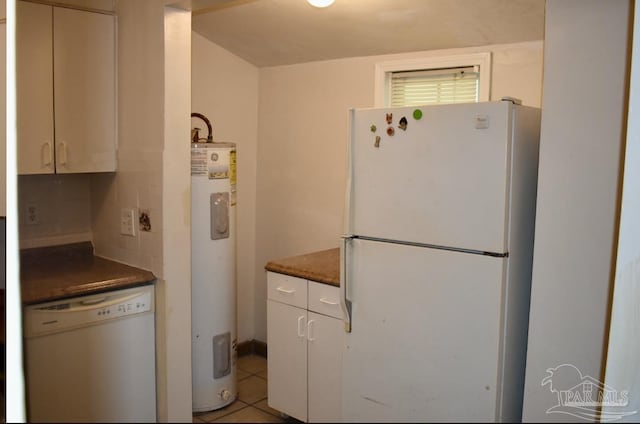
(34, 88)
(66, 90)
(84, 91)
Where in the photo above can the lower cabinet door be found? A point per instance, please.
(287, 359)
(325, 337)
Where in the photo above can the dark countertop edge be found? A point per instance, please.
(124, 276)
(89, 289)
(306, 274)
(322, 266)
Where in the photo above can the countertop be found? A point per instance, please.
(322, 266)
(57, 272)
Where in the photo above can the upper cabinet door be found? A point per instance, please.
(34, 66)
(84, 81)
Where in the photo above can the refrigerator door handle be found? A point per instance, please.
(344, 302)
(349, 190)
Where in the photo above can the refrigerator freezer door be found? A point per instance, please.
(443, 180)
(425, 337)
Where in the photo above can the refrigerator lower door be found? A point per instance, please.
(425, 336)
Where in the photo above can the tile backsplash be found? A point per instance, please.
(54, 209)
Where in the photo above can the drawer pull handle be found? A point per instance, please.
(328, 302)
(285, 291)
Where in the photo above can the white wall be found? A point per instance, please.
(138, 181)
(623, 368)
(225, 90)
(63, 209)
(582, 127)
(15, 398)
(153, 173)
(176, 206)
(302, 135)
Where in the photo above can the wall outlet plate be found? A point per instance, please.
(127, 222)
(32, 214)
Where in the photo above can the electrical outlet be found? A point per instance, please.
(127, 222)
(144, 220)
(32, 215)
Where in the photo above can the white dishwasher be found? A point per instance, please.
(92, 358)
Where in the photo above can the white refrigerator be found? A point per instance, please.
(436, 261)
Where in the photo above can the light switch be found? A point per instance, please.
(127, 221)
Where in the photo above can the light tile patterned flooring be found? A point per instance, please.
(251, 404)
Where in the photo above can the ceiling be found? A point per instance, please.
(281, 32)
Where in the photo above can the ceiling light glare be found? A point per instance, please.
(320, 3)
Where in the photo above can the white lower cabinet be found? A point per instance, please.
(324, 356)
(287, 359)
(305, 335)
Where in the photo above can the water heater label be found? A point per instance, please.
(198, 162)
(232, 167)
(218, 165)
(232, 176)
(212, 164)
(218, 171)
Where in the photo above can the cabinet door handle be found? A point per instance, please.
(63, 153)
(285, 291)
(301, 326)
(46, 154)
(328, 302)
(310, 330)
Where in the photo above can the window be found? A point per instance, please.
(454, 79)
(432, 86)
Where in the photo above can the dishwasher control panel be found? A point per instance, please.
(77, 312)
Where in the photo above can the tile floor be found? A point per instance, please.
(251, 405)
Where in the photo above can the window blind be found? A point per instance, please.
(434, 86)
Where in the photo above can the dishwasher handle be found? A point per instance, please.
(54, 317)
(88, 304)
(94, 301)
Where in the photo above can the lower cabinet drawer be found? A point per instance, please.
(325, 299)
(287, 289)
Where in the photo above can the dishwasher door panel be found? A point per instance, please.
(97, 373)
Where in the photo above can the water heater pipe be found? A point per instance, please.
(206, 121)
